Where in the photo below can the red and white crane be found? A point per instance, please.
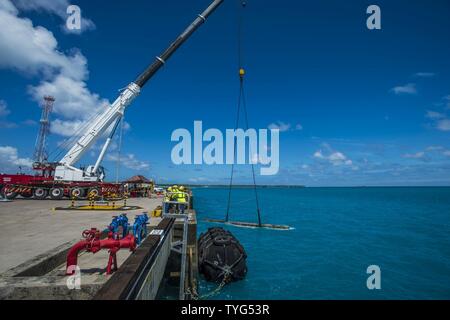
(62, 178)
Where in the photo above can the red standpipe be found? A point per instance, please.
(93, 244)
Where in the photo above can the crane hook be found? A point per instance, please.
(241, 73)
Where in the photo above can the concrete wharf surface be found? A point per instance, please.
(29, 227)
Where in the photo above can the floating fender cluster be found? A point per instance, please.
(221, 256)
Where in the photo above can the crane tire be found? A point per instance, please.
(56, 193)
(40, 193)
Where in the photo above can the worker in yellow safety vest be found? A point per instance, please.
(181, 199)
(184, 194)
(173, 196)
(166, 199)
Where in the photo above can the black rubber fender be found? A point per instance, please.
(220, 252)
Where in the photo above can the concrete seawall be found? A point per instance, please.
(42, 238)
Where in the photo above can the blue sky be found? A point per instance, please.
(355, 107)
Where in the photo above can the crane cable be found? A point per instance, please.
(242, 102)
(119, 148)
(81, 128)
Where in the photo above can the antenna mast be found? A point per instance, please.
(40, 150)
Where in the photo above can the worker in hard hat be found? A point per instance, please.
(174, 192)
(166, 204)
(181, 199)
(182, 189)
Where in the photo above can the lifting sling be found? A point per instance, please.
(242, 105)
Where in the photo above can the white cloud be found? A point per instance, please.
(434, 148)
(10, 160)
(7, 6)
(65, 128)
(34, 50)
(318, 154)
(417, 155)
(280, 125)
(199, 179)
(335, 158)
(57, 7)
(425, 74)
(129, 161)
(434, 115)
(73, 99)
(283, 127)
(443, 125)
(257, 159)
(447, 100)
(4, 111)
(440, 120)
(126, 126)
(409, 88)
(428, 153)
(7, 125)
(74, 103)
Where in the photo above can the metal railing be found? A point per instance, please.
(174, 206)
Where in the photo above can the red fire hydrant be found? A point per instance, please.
(92, 243)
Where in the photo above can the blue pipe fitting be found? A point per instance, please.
(140, 227)
(117, 222)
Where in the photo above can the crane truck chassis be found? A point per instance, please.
(62, 179)
(43, 186)
(47, 188)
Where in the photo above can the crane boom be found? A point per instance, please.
(65, 170)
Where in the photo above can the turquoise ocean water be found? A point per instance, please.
(338, 233)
